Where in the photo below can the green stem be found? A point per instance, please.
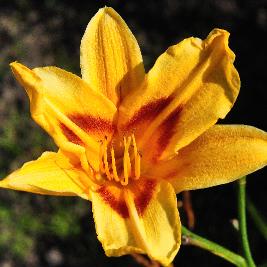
(196, 240)
(242, 221)
(258, 219)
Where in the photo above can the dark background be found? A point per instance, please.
(48, 231)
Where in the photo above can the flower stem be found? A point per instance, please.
(242, 221)
(258, 219)
(196, 240)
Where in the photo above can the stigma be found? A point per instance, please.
(125, 167)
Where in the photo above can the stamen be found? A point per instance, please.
(106, 165)
(137, 160)
(129, 159)
(101, 154)
(92, 174)
(114, 168)
(109, 166)
(126, 162)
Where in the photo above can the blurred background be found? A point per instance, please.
(49, 231)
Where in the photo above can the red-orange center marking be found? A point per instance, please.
(143, 193)
(70, 135)
(147, 112)
(142, 200)
(117, 204)
(167, 130)
(91, 124)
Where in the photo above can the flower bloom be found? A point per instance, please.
(129, 141)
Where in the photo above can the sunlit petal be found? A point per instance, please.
(111, 61)
(190, 87)
(141, 219)
(51, 174)
(221, 155)
(67, 108)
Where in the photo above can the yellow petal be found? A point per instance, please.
(140, 219)
(190, 87)
(221, 155)
(51, 174)
(66, 107)
(111, 61)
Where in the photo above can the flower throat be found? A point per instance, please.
(125, 167)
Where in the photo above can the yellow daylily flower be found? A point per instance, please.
(129, 141)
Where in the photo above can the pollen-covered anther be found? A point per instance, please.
(128, 164)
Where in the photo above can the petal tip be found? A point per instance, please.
(217, 33)
(16, 67)
(220, 32)
(25, 76)
(105, 11)
(223, 36)
(21, 70)
(4, 184)
(220, 38)
(13, 64)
